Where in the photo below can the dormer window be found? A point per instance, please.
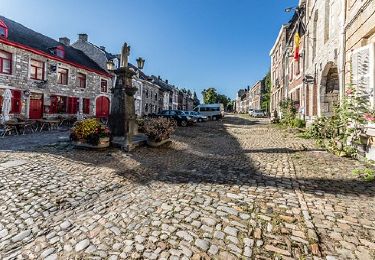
(3, 29)
(59, 51)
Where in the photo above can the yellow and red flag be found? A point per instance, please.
(297, 42)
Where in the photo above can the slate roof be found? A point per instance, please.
(164, 86)
(22, 35)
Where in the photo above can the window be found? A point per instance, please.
(146, 93)
(3, 29)
(58, 104)
(156, 96)
(16, 102)
(5, 62)
(86, 106)
(36, 70)
(103, 85)
(62, 76)
(81, 80)
(146, 107)
(60, 52)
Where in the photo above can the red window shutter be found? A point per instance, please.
(16, 102)
(86, 106)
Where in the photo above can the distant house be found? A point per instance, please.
(48, 78)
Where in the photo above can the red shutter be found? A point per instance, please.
(86, 106)
(16, 102)
(72, 105)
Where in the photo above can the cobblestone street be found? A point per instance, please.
(238, 188)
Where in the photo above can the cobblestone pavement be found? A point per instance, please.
(226, 190)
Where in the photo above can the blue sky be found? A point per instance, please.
(194, 44)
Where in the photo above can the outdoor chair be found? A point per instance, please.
(7, 129)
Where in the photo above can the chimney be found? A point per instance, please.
(83, 37)
(248, 88)
(102, 48)
(159, 78)
(64, 40)
(166, 81)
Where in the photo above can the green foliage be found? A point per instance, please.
(367, 174)
(298, 123)
(209, 96)
(288, 113)
(341, 132)
(265, 105)
(196, 101)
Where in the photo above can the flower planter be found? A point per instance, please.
(157, 144)
(90, 146)
(104, 140)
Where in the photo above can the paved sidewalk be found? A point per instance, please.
(238, 188)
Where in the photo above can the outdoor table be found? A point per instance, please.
(49, 123)
(16, 126)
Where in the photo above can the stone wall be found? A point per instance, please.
(20, 80)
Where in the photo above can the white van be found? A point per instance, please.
(212, 111)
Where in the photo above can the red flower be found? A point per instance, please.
(369, 117)
(349, 91)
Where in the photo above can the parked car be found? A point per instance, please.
(179, 116)
(258, 113)
(197, 115)
(212, 111)
(250, 111)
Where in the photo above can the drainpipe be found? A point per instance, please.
(343, 50)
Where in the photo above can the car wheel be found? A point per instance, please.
(184, 123)
(200, 120)
(214, 118)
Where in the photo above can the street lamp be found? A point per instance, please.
(140, 63)
(110, 65)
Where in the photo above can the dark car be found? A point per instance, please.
(179, 116)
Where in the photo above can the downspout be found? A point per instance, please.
(343, 51)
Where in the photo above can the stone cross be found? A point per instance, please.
(125, 52)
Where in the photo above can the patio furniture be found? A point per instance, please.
(8, 128)
(50, 124)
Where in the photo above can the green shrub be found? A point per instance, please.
(298, 123)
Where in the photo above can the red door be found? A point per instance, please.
(36, 109)
(102, 107)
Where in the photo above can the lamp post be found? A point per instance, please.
(122, 119)
(140, 65)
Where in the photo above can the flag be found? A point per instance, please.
(297, 42)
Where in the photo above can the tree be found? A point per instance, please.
(266, 96)
(209, 96)
(196, 100)
(223, 99)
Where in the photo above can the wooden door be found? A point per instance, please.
(36, 109)
(102, 107)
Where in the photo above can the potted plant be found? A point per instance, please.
(158, 130)
(90, 133)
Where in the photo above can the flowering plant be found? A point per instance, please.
(90, 131)
(369, 117)
(159, 129)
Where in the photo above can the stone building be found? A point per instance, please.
(242, 103)
(255, 96)
(48, 78)
(360, 45)
(278, 70)
(294, 61)
(324, 54)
